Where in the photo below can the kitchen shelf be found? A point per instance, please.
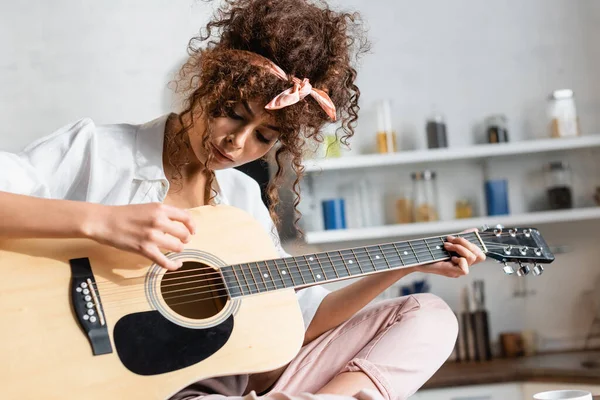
(465, 153)
(454, 226)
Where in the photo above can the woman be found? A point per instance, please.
(278, 71)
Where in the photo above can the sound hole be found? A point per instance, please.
(194, 291)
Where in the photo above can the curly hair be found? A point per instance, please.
(307, 40)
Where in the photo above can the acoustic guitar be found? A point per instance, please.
(86, 321)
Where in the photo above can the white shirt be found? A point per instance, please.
(122, 164)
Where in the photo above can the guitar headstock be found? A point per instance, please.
(517, 245)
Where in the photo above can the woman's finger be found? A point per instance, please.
(462, 251)
(479, 254)
(183, 216)
(462, 264)
(175, 229)
(154, 254)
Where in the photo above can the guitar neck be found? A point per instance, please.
(319, 268)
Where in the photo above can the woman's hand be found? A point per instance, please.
(146, 229)
(468, 255)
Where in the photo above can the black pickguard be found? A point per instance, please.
(149, 344)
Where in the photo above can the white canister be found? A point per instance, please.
(563, 114)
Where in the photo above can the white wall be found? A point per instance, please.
(112, 61)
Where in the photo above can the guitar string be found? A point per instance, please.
(251, 279)
(423, 249)
(297, 276)
(330, 274)
(476, 242)
(303, 263)
(404, 247)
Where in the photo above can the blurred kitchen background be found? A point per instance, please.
(472, 112)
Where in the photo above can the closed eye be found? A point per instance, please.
(262, 138)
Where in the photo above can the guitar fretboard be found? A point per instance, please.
(312, 269)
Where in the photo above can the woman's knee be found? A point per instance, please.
(433, 308)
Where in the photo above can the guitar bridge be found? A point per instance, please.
(88, 307)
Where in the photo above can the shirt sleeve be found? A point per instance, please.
(309, 298)
(49, 166)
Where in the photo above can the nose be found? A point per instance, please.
(237, 139)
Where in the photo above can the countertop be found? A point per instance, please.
(556, 367)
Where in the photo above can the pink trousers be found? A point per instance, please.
(397, 343)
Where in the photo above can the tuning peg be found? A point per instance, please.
(523, 270)
(508, 270)
(538, 269)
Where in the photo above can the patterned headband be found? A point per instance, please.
(299, 90)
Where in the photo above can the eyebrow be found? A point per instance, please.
(247, 107)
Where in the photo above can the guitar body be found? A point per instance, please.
(158, 335)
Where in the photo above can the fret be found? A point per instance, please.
(387, 263)
(358, 262)
(266, 276)
(321, 276)
(350, 262)
(344, 272)
(392, 255)
(284, 274)
(295, 271)
(424, 256)
(325, 275)
(306, 274)
(408, 258)
(370, 258)
(413, 250)
(377, 258)
(243, 282)
(274, 273)
(249, 278)
(256, 275)
(231, 282)
(262, 285)
(312, 276)
(438, 251)
(399, 254)
(332, 266)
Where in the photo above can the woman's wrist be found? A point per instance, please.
(92, 217)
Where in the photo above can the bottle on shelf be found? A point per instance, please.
(436, 131)
(496, 127)
(424, 196)
(558, 185)
(386, 137)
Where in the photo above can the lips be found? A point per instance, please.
(221, 153)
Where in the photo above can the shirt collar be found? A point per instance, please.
(149, 141)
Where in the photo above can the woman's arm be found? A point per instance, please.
(146, 229)
(32, 217)
(337, 307)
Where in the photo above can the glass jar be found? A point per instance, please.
(563, 114)
(436, 132)
(424, 196)
(558, 185)
(497, 128)
(463, 209)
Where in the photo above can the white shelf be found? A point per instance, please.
(465, 153)
(454, 226)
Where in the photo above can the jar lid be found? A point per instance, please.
(423, 175)
(557, 165)
(561, 94)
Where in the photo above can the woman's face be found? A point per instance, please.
(245, 134)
